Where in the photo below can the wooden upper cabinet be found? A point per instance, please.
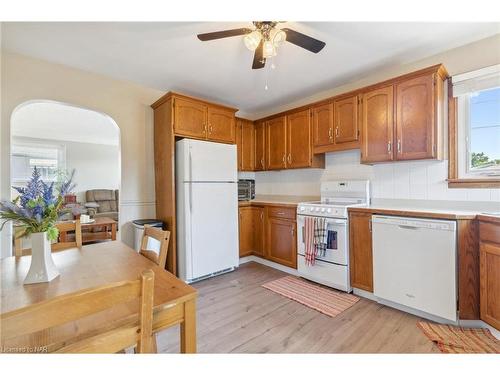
(260, 146)
(360, 251)
(377, 125)
(276, 143)
(346, 120)
(221, 125)
(298, 134)
(190, 118)
(238, 141)
(322, 125)
(247, 145)
(415, 118)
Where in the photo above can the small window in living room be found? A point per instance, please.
(48, 159)
(478, 133)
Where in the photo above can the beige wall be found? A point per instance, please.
(25, 79)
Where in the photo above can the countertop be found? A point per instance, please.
(450, 210)
(280, 200)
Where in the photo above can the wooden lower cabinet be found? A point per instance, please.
(360, 251)
(489, 272)
(269, 232)
(252, 229)
(281, 244)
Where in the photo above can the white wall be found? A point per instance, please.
(97, 165)
(399, 180)
(25, 79)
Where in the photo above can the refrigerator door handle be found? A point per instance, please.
(190, 182)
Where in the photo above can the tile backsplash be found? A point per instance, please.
(398, 180)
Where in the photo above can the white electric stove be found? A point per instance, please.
(331, 267)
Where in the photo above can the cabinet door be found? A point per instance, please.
(281, 242)
(239, 141)
(299, 145)
(190, 118)
(346, 120)
(360, 251)
(221, 125)
(415, 114)
(260, 146)
(378, 125)
(276, 143)
(247, 145)
(246, 231)
(490, 283)
(322, 124)
(258, 231)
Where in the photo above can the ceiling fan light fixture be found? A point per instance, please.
(269, 50)
(252, 40)
(277, 37)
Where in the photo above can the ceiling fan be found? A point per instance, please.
(265, 39)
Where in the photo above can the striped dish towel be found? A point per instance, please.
(310, 249)
(320, 235)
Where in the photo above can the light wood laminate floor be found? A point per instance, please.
(236, 315)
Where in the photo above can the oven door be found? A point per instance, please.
(337, 248)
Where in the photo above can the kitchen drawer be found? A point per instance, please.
(282, 212)
(489, 232)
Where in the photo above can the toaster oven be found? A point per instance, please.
(246, 189)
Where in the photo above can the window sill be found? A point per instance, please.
(474, 183)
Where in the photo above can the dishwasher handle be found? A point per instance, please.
(411, 227)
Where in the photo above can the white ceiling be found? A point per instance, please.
(168, 56)
(54, 121)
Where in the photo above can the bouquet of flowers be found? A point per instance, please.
(38, 205)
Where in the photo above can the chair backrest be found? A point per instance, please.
(71, 307)
(62, 227)
(163, 236)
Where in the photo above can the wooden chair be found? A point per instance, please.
(71, 307)
(163, 236)
(62, 227)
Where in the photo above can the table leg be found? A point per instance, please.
(113, 231)
(188, 328)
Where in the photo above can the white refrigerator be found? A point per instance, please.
(207, 208)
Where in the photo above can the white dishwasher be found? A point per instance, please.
(415, 264)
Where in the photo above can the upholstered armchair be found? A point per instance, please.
(102, 203)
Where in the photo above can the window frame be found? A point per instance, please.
(456, 177)
(61, 155)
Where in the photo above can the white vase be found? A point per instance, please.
(42, 267)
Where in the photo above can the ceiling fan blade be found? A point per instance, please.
(258, 58)
(304, 41)
(223, 34)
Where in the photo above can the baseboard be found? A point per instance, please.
(364, 294)
(479, 324)
(265, 262)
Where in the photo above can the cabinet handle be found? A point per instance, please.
(389, 147)
(284, 162)
(330, 133)
(289, 158)
(262, 216)
(204, 128)
(262, 162)
(370, 225)
(399, 145)
(293, 232)
(210, 128)
(337, 131)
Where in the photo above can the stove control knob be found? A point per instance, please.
(302, 208)
(329, 210)
(311, 209)
(317, 209)
(323, 209)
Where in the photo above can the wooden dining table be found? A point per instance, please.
(91, 266)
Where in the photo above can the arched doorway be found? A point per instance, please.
(59, 138)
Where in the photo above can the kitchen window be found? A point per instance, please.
(48, 159)
(477, 100)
